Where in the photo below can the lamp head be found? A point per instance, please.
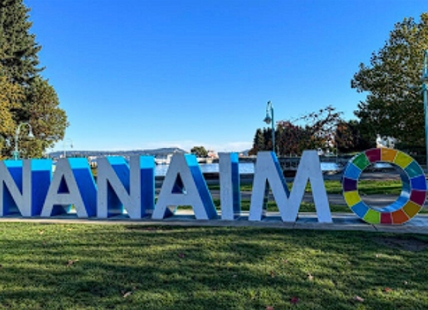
(30, 134)
(267, 119)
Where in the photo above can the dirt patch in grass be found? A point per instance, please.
(407, 244)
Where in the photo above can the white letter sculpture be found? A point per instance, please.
(72, 185)
(23, 186)
(230, 192)
(268, 170)
(122, 187)
(184, 185)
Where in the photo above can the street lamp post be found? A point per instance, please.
(15, 153)
(64, 146)
(270, 119)
(425, 91)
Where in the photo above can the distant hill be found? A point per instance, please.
(162, 152)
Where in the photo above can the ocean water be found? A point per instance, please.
(244, 168)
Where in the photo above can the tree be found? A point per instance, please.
(349, 137)
(290, 138)
(199, 151)
(321, 127)
(267, 137)
(18, 47)
(394, 104)
(258, 142)
(318, 131)
(37, 102)
(47, 119)
(10, 97)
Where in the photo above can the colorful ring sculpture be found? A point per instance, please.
(413, 193)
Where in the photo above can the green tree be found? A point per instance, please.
(47, 119)
(39, 104)
(10, 97)
(267, 137)
(258, 142)
(394, 104)
(199, 151)
(18, 47)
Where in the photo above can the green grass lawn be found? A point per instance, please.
(304, 207)
(135, 267)
(365, 187)
(272, 207)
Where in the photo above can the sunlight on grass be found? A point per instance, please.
(134, 267)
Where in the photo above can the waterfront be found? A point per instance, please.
(244, 168)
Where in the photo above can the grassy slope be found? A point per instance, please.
(135, 267)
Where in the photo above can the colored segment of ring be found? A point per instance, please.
(413, 193)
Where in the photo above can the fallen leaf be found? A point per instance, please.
(358, 298)
(294, 300)
(388, 289)
(71, 262)
(127, 294)
(310, 277)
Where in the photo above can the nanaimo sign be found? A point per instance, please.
(29, 188)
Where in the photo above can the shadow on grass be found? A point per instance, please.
(100, 266)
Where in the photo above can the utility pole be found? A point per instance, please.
(425, 91)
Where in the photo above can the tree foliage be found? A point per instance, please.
(394, 104)
(315, 130)
(291, 138)
(18, 47)
(10, 97)
(349, 137)
(30, 98)
(199, 151)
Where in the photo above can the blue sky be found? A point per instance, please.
(138, 74)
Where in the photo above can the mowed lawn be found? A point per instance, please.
(80, 266)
